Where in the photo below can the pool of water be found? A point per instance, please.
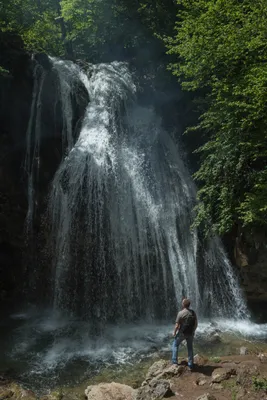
(45, 350)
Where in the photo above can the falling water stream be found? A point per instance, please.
(124, 252)
(121, 208)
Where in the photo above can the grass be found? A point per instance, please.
(259, 383)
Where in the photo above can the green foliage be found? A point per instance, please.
(35, 21)
(259, 383)
(221, 52)
(3, 71)
(92, 27)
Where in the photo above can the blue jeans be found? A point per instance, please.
(176, 343)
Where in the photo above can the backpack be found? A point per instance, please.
(188, 325)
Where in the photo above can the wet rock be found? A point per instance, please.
(110, 391)
(206, 396)
(243, 351)
(214, 338)
(44, 60)
(250, 255)
(222, 374)
(155, 390)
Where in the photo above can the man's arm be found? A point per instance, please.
(177, 324)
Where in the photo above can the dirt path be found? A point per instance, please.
(191, 385)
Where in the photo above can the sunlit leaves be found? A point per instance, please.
(221, 47)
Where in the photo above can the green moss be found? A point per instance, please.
(229, 384)
(6, 394)
(215, 359)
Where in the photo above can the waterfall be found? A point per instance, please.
(121, 207)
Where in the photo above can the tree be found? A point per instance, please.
(221, 52)
(35, 21)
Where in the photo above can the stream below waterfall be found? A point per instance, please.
(46, 350)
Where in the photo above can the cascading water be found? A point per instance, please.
(121, 206)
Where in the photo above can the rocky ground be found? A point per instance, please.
(226, 378)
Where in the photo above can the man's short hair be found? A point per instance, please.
(186, 303)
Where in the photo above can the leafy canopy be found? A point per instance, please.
(220, 51)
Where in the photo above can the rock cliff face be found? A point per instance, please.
(250, 254)
(15, 102)
(16, 89)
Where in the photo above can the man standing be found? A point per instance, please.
(185, 327)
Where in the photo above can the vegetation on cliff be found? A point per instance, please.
(221, 52)
(217, 50)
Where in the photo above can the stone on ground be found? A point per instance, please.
(243, 351)
(156, 369)
(222, 374)
(110, 391)
(206, 396)
(201, 380)
(156, 389)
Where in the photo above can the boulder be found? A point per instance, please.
(156, 389)
(171, 371)
(157, 368)
(110, 391)
(163, 370)
(222, 374)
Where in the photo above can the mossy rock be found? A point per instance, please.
(6, 394)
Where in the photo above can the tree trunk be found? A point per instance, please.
(67, 44)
